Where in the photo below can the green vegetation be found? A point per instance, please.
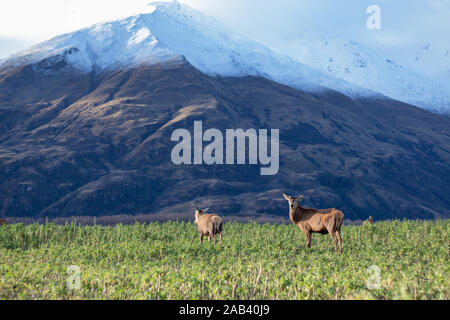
(166, 261)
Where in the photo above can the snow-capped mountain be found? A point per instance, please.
(172, 31)
(370, 69)
(310, 62)
(428, 59)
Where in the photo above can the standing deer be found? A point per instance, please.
(208, 225)
(316, 221)
(3, 222)
(368, 221)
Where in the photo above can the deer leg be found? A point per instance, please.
(221, 238)
(214, 238)
(330, 225)
(308, 235)
(333, 236)
(338, 235)
(201, 239)
(308, 239)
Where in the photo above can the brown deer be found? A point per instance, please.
(208, 225)
(3, 222)
(316, 221)
(368, 221)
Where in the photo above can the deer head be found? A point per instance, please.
(294, 202)
(198, 212)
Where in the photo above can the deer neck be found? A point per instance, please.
(296, 215)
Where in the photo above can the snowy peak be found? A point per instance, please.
(109, 45)
(172, 31)
(370, 69)
(167, 31)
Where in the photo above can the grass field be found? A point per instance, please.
(166, 261)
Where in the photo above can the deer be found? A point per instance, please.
(323, 221)
(3, 222)
(208, 225)
(368, 221)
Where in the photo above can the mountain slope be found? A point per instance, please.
(76, 143)
(430, 60)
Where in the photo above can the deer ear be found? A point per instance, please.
(300, 198)
(205, 210)
(286, 197)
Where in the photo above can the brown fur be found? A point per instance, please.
(3, 222)
(368, 221)
(311, 221)
(208, 225)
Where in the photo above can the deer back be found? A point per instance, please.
(209, 223)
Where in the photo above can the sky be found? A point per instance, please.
(404, 22)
